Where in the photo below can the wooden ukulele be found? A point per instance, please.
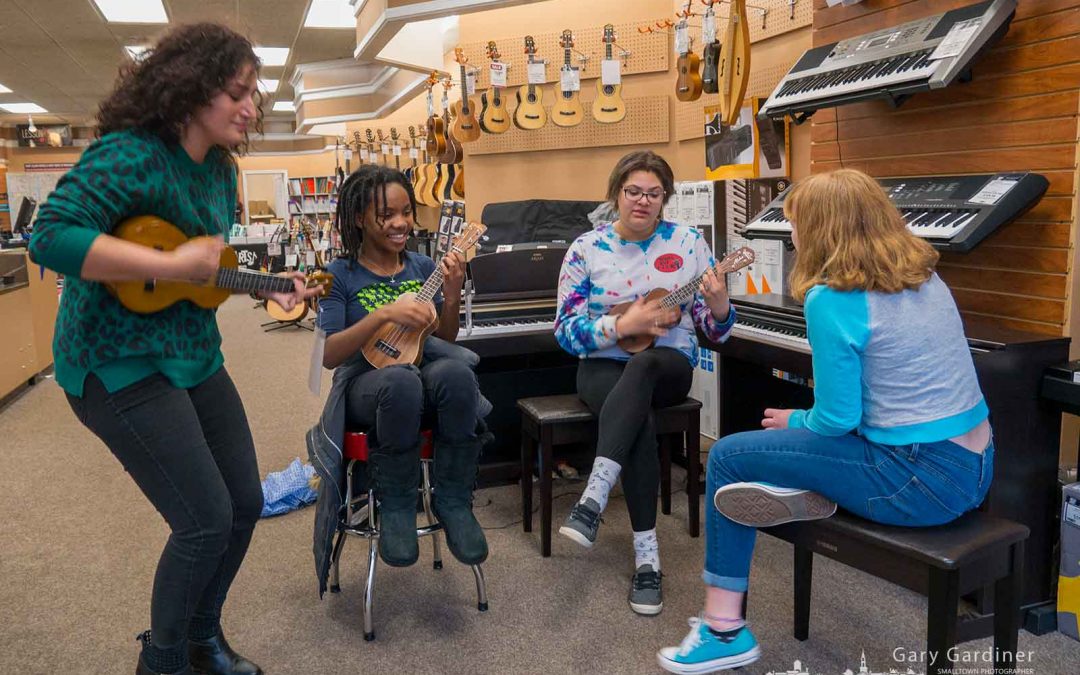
(453, 153)
(608, 106)
(395, 148)
(688, 84)
(493, 116)
(530, 113)
(732, 262)
(153, 295)
(394, 344)
(417, 177)
(567, 111)
(436, 127)
(734, 63)
(358, 144)
(372, 156)
(710, 55)
(466, 127)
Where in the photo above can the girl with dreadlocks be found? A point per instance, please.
(375, 215)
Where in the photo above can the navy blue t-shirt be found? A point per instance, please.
(357, 291)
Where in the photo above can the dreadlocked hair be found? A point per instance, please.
(364, 189)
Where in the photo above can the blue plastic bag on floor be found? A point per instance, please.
(288, 490)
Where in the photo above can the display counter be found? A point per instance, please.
(28, 302)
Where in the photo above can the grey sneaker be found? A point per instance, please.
(582, 524)
(646, 597)
(764, 505)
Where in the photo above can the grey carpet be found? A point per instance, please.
(79, 544)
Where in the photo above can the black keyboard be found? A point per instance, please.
(953, 213)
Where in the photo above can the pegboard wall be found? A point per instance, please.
(690, 117)
(647, 122)
(779, 17)
(649, 53)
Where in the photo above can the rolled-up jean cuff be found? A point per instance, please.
(736, 584)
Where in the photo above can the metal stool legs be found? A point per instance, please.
(425, 467)
(481, 589)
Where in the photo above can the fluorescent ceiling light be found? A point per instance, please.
(284, 106)
(269, 86)
(4, 90)
(22, 108)
(136, 52)
(272, 56)
(133, 11)
(330, 14)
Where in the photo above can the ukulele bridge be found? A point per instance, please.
(387, 348)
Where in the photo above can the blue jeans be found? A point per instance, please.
(915, 485)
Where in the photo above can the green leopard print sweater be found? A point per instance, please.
(125, 174)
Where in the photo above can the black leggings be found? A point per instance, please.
(623, 394)
(190, 452)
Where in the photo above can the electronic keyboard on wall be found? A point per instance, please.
(953, 213)
(892, 63)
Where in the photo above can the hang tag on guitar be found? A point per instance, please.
(610, 72)
(348, 155)
(570, 79)
(397, 151)
(414, 153)
(708, 29)
(470, 82)
(537, 72)
(290, 260)
(682, 40)
(315, 370)
(385, 148)
(273, 249)
(497, 72)
(309, 258)
(363, 154)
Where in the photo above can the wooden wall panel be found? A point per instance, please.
(1020, 113)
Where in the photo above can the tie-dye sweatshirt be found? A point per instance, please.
(601, 270)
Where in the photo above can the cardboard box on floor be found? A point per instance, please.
(1068, 596)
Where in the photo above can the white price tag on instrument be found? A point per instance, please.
(397, 151)
(385, 148)
(570, 79)
(610, 72)
(414, 153)
(992, 192)
(682, 40)
(363, 154)
(290, 260)
(273, 249)
(348, 155)
(497, 73)
(309, 258)
(956, 39)
(537, 72)
(708, 28)
(470, 82)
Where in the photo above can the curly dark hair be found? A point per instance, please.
(364, 188)
(188, 67)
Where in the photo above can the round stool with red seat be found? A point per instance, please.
(361, 519)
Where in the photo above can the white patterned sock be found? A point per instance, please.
(646, 549)
(602, 478)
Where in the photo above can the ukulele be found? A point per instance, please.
(395, 148)
(300, 310)
(436, 128)
(466, 127)
(688, 84)
(394, 344)
(530, 113)
(360, 151)
(567, 111)
(608, 106)
(453, 153)
(734, 63)
(152, 295)
(493, 116)
(384, 148)
(710, 56)
(371, 155)
(416, 177)
(734, 261)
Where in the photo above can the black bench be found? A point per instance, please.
(549, 421)
(942, 563)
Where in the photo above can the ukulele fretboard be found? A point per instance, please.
(246, 280)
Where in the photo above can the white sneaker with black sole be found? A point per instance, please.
(765, 505)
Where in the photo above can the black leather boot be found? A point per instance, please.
(397, 476)
(214, 656)
(455, 476)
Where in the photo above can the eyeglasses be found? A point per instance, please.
(634, 193)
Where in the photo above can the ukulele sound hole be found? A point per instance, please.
(532, 117)
(568, 113)
(608, 109)
(387, 348)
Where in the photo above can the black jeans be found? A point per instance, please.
(190, 452)
(622, 394)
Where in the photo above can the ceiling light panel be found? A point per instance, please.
(4, 90)
(269, 86)
(330, 14)
(133, 11)
(272, 56)
(284, 106)
(22, 108)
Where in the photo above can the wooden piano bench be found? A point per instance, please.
(549, 421)
(942, 563)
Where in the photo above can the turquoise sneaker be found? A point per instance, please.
(702, 651)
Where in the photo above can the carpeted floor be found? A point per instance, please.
(79, 544)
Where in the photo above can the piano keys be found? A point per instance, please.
(953, 213)
(892, 63)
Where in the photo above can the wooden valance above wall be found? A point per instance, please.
(1020, 113)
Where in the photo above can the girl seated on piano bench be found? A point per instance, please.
(375, 216)
(620, 263)
(898, 432)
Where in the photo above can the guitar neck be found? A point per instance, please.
(464, 92)
(431, 286)
(681, 296)
(236, 279)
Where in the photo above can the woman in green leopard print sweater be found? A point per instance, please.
(153, 387)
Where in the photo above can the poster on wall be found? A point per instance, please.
(753, 147)
(44, 136)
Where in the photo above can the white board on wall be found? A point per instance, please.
(36, 186)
